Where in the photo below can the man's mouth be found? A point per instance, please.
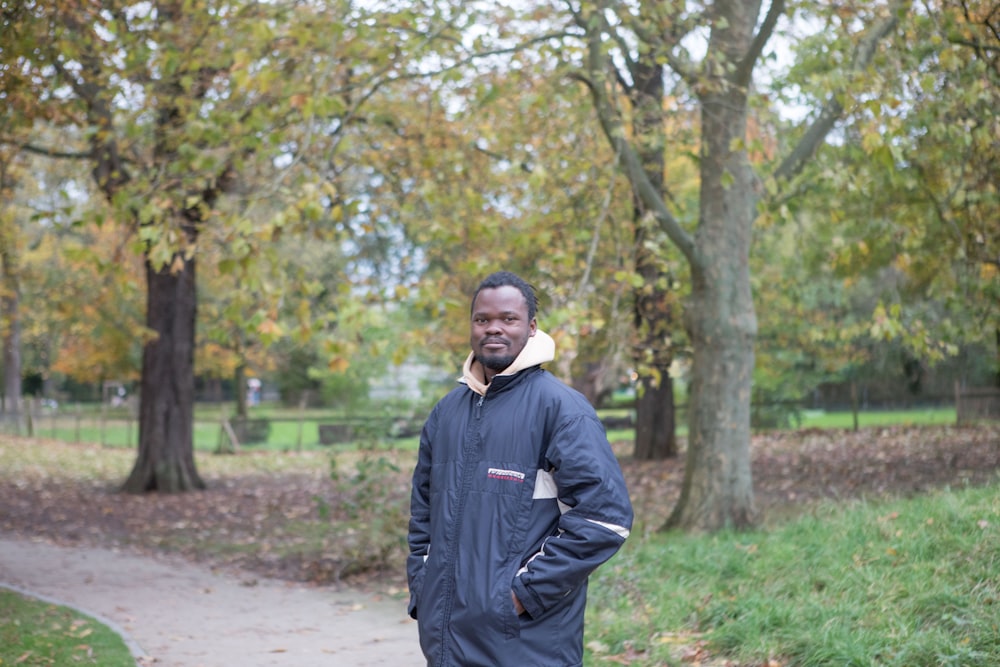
(494, 344)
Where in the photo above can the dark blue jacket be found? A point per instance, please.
(514, 490)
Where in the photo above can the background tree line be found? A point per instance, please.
(755, 199)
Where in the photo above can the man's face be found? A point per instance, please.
(500, 327)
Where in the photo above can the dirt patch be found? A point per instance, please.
(299, 524)
(793, 470)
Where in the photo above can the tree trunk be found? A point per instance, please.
(240, 379)
(166, 413)
(593, 384)
(655, 427)
(10, 308)
(717, 489)
(997, 377)
(655, 432)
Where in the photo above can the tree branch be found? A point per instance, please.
(745, 68)
(833, 109)
(481, 55)
(627, 158)
(51, 153)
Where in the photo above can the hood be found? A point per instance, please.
(539, 349)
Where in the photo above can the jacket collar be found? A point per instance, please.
(539, 349)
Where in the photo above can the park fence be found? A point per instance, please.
(118, 426)
(977, 404)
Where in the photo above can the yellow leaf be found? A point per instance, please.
(339, 364)
(269, 328)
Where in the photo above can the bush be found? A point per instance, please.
(371, 511)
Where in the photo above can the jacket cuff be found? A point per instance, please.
(531, 606)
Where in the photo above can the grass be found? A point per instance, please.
(290, 430)
(913, 417)
(912, 583)
(33, 632)
(298, 430)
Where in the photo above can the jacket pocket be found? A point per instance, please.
(416, 586)
(504, 603)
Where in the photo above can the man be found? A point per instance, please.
(517, 498)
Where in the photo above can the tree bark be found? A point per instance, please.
(12, 360)
(10, 309)
(655, 420)
(166, 413)
(10, 304)
(997, 377)
(240, 380)
(655, 432)
(717, 490)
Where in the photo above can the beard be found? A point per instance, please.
(496, 362)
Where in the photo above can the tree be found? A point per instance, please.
(10, 291)
(932, 142)
(719, 314)
(655, 307)
(902, 267)
(12, 212)
(178, 102)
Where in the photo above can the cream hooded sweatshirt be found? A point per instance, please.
(539, 349)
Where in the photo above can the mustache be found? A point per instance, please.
(494, 339)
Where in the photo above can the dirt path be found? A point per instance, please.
(176, 614)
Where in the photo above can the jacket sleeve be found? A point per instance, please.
(419, 534)
(596, 521)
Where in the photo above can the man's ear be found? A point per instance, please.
(533, 326)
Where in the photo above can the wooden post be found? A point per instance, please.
(854, 403)
(958, 403)
(103, 423)
(229, 441)
(234, 440)
(29, 410)
(302, 416)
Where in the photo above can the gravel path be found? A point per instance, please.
(173, 613)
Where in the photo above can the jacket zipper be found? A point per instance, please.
(448, 588)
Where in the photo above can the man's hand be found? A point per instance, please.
(518, 607)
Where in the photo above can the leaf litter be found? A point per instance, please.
(283, 515)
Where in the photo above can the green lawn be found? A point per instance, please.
(33, 632)
(912, 417)
(912, 583)
(290, 429)
(293, 430)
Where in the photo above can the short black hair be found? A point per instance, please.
(508, 279)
